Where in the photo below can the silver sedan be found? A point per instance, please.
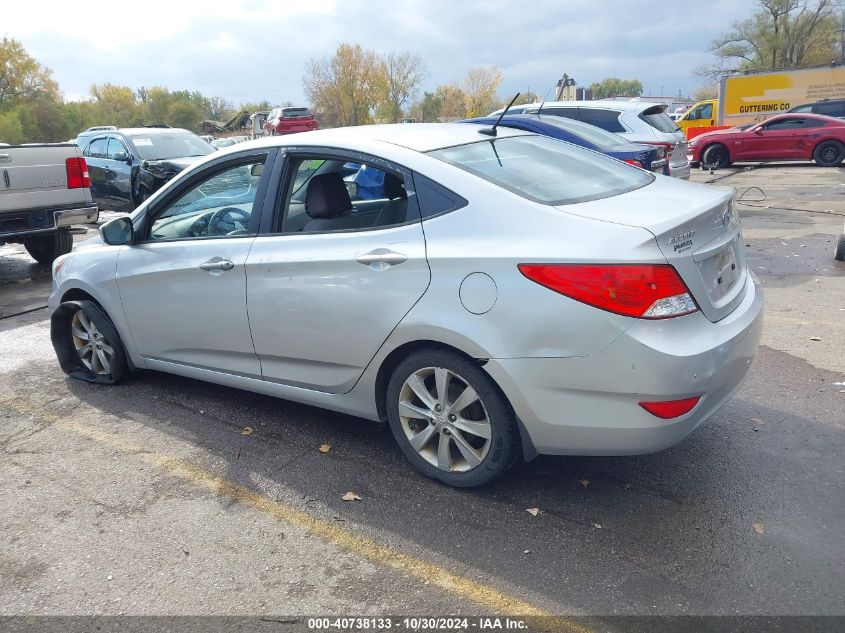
(489, 295)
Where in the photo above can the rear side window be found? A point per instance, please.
(434, 199)
(96, 149)
(830, 109)
(605, 119)
(657, 118)
(568, 113)
(545, 170)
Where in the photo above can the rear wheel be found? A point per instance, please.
(45, 248)
(715, 156)
(87, 344)
(450, 420)
(829, 153)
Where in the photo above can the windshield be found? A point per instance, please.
(152, 146)
(590, 133)
(657, 118)
(546, 170)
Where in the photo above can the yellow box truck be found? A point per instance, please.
(752, 97)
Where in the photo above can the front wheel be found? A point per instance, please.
(715, 156)
(829, 153)
(87, 343)
(450, 420)
(45, 248)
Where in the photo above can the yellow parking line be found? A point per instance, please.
(482, 595)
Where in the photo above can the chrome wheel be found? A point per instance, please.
(444, 419)
(93, 349)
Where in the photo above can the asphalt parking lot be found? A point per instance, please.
(153, 498)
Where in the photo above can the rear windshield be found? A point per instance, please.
(152, 146)
(295, 113)
(657, 118)
(595, 135)
(545, 170)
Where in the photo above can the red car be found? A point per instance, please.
(781, 137)
(289, 120)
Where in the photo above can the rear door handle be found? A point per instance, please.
(382, 256)
(218, 264)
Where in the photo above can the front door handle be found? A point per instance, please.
(381, 256)
(219, 264)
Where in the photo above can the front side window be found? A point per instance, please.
(785, 124)
(220, 205)
(331, 194)
(545, 170)
(115, 148)
(605, 119)
(831, 109)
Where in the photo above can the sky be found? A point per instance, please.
(249, 50)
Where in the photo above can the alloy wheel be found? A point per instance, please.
(830, 154)
(92, 347)
(444, 419)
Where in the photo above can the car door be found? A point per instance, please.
(775, 140)
(183, 283)
(324, 294)
(95, 156)
(119, 175)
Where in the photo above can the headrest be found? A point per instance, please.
(327, 197)
(394, 187)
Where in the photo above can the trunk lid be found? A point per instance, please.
(696, 229)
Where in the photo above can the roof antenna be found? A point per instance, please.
(491, 131)
(544, 101)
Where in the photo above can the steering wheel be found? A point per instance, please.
(226, 221)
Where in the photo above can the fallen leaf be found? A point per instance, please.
(325, 448)
(815, 338)
(528, 551)
(584, 482)
(759, 528)
(597, 525)
(533, 511)
(351, 496)
(247, 431)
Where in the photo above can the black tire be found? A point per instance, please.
(70, 360)
(45, 248)
(715, 156)
(839, 250)
(503, 448)
(829, 153)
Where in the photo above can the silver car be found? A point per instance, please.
(489, 295)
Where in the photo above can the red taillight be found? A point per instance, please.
(671, 408)
(649, 291)
(635, 163)
(77, 173)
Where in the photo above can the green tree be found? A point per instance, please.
(615, 87)
(427, 109)
(480, 86)
(398, 77)
(184, 114)
(21, 76)
(343, 87)
(114, 105)
(11, 130)
(780, 34)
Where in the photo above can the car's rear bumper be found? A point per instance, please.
(589, 405)
(43, 220)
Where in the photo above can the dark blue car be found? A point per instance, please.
(648, 157)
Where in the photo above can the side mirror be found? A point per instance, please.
(351, 188)
(256, 170)
(758, 130)
(122, 156)
(118, 231)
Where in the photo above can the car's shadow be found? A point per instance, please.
(668, 532)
